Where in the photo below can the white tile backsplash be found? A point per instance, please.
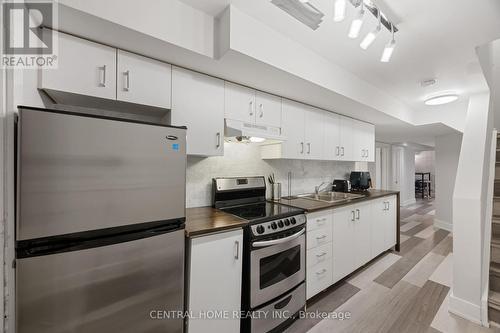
(244, 160)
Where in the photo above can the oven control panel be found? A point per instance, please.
(271, 227)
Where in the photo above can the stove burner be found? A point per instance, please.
(264, 210)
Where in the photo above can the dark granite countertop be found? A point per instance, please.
(312, 205)
(205, 220)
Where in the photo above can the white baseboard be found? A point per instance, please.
(409, 202)
(465, 309)
(443, 225)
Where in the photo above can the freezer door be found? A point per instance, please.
(79, 173)
(116, 288)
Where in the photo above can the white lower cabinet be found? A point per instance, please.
(319, 271)
(342, 240)
(384, 232)
(214, 281)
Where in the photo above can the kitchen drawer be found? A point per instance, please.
(319, 220)
(319, 254)
(319, 277)
(319, 237)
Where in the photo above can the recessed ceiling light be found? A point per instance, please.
(441, 99)
(256, 139)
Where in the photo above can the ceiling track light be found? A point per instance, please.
(339, 9)
(357, 23)
(389, 48)
(372, 35)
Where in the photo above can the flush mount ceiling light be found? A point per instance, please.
(339, 10)
(357, 23)
(441, 99)
(368, 40)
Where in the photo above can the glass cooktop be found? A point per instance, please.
(262, 210)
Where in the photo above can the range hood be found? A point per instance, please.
(239, 131)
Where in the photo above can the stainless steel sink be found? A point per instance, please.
(331, 197)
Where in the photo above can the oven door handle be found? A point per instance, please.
(278, 241)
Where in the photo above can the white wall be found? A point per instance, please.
(244, 160)
(403, 179)
(469, 212)
(447, 155)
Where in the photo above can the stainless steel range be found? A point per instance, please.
(274, 253)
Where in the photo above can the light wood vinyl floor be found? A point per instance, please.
(398, 292)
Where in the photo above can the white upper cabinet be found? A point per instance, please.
(251, 106)
(331, 145)
(143, 80)
(293, 130)
(84, 67)
(346, 139)
(198, 103)
(364, 141)
(268, 109)
(313, 133)
(239, 103)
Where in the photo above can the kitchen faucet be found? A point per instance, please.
(317, 188)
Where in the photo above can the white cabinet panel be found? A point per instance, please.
(239, 103)
(391, 220)
(198, 103)
(268, 109)
(313, 133)
(319, 277)
(383, 235)
(319, 220)
(143, 80)
(379, 227)
(362, 234)
(346, 139)
(215, 280)
(319, 236)
(343, 242)
(331, 145)
(293, 129)
(319, 254)
(363, 141)
(84, 67)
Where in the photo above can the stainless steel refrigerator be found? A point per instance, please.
(100, 224)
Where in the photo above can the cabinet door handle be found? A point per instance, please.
(127, 81)
(337, 151)
(367, 153)
(261, 110)
(321, 255)
(237, 250)
(342, 148)
(302, 149)
(321, 272)
(321, 237)
(320, 221)
(353, 216)
(308, 147)
(217, 137)
(251, 108)
(103, 82)
(358, 214)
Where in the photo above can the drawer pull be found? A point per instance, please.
(321, 272)
(321, 255)
(321, 237)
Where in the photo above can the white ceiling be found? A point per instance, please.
(436, 39)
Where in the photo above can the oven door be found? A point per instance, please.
(276, 266)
